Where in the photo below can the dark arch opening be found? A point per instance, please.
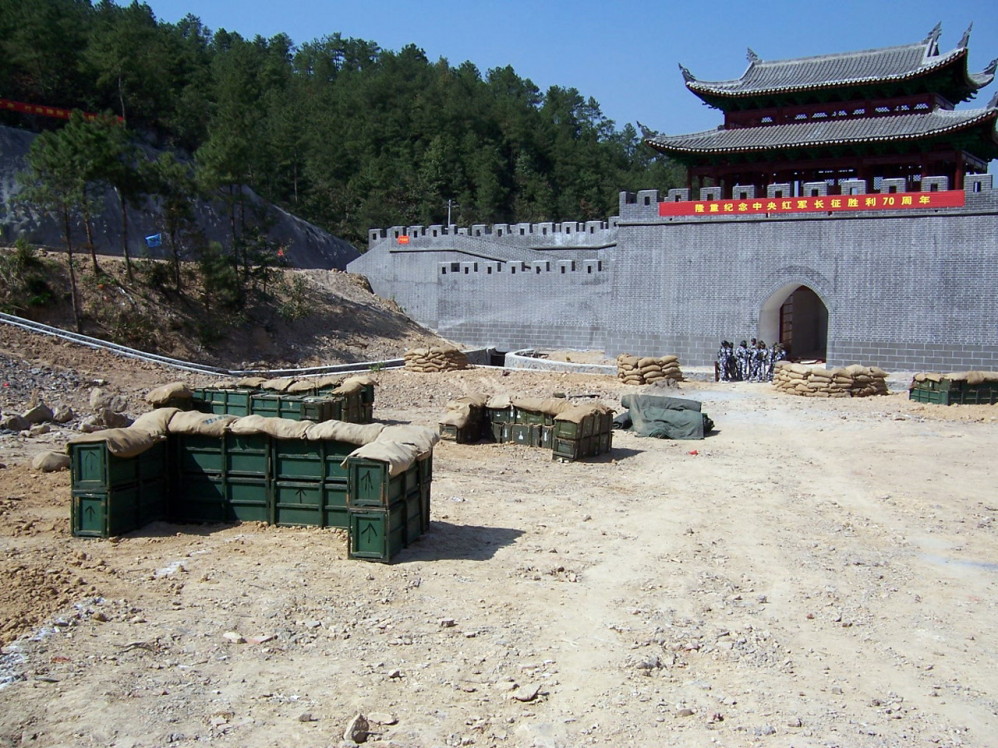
(798, 318)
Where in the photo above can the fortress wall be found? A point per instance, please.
(905, 290)
(540, 236)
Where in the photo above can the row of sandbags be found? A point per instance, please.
(648, 369)
(437, 358)
(398, 446)
(848, 381)
(333, 385)
(972, 378)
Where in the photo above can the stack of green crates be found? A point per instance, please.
(470, 432)
(354, 407)
(953, 392)
(591, 436)
(310, 486)
(567, 440)
(252, 477)
(114, 495)
(200, 490)
(386, 513)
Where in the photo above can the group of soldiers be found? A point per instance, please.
(748, 361)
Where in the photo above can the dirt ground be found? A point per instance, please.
(814, 573)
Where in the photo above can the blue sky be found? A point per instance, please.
(623, 54)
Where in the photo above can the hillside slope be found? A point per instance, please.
(305, 245)
(293, 318)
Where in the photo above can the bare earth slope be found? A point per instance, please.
(815, 573)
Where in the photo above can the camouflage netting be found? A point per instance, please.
(849, 381)
(648, 369)
(437, 358)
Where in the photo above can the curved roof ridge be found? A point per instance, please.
(827, 132)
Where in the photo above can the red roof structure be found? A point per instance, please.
(858, 115)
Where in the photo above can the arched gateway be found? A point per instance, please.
(797, 317)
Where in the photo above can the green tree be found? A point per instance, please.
(173, 182)
(54, 184)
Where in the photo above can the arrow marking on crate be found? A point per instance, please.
(368, 529)
(366, 481)
(89, 512)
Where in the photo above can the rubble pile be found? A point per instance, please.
(848, 381)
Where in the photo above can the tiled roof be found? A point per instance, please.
(906, 127)
(836, 70)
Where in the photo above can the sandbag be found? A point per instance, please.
(350, 433)
(419, 437)
(551, 406)
(397, 455)
(169, 393)
(127, 442)
(278, 428)
(156, 421)
(192, 422)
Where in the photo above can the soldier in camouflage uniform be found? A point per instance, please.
(742, 355)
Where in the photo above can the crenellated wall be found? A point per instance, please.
(535, 235)
(910, 289)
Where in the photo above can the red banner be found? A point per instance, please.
(44, 111)
(827, 204)
(403, 239)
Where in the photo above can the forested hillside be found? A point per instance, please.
(336, 130)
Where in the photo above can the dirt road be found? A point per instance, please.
(815, 573)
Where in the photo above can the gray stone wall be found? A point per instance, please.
(905, 290)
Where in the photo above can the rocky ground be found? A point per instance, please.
(814, 573)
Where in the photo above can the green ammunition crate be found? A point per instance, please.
(370, 484)
(294, 459)
(413, 517)
(424, 505)
(93, 468)
(248, 499)
(299, 503)
(200, 498)
(545, 436)
(154, 500)
(570, 449)
(425, 468)
(272, 405)
(470, 433)
(103, 514)
(522, 433)
(223, 402)
(247, 455)
(985, 393)
(377, 534)
(335, 509)
(926, 395)
(154, 463)
(499, 415)
(367, 394)
(501, 432)
(298, 459)
(200, 454)
(532, 418)
(568, 429)
(320, 409)
(588, 446)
